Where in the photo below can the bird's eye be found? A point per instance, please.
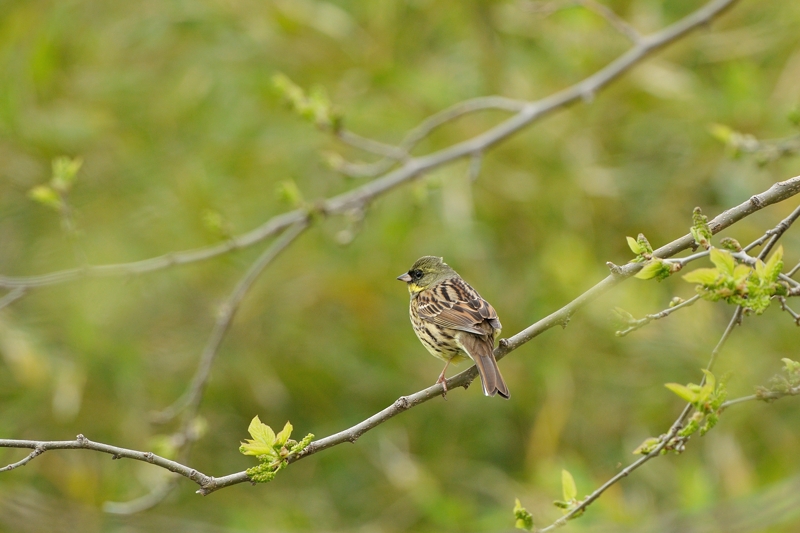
(416, 274)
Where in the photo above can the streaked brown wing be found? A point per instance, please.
(454, 304)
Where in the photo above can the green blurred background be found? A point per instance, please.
(171, 106)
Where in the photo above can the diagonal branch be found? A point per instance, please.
(425, 128)
(777, 232)
(613, 20)
(411, 169)
(12, 296)
(191, 398)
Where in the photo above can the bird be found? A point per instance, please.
(453, 322)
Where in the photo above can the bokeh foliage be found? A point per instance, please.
(171, 107)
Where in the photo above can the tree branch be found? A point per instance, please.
(411, 169)
(12, 296)
(765, 396)
(638, 324)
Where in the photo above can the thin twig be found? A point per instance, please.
(778, 231)
(758, 242)
(372, 146)
(547, 8)
(735, 320)
(266, 230)
(224, 319)
(143, 503)
(189, 403)
(82, 443)
(764, 396)
(765, 150)
(37, 451)
(662, 314)
(12, 296)
(628, 31)
(785, 307)
(426, 127)
(586, 502)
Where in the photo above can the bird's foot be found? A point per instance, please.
(443, 381)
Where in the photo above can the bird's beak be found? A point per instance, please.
(405, 277)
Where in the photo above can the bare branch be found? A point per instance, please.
(656, 316)
(12, 296)
(547, 8)
(193, 394)
(37, 451)
(778, 231)
(792, 312)
(426, 127)
(735, 320)
(765, 396)
(143, 503)
(628, 31)
(269, 228)
(82, 443)
(372, 146)
(765, 150)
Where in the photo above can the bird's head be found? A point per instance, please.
(427, 271)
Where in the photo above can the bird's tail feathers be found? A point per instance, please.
(480, 349)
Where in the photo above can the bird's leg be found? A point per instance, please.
(443, 380)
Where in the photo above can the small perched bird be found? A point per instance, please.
(452, 320)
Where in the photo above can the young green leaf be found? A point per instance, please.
(703, 276)
(721, 132)
(774, 265)
(289, 192)
(711, 381)
(263, 440)
(568, 488)
(723, 260)
(655, 268)
(46, 196)
(682, 391)
(790, 365)
(283, 436)
(65, 170)
(741, 273)
(634, 246)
